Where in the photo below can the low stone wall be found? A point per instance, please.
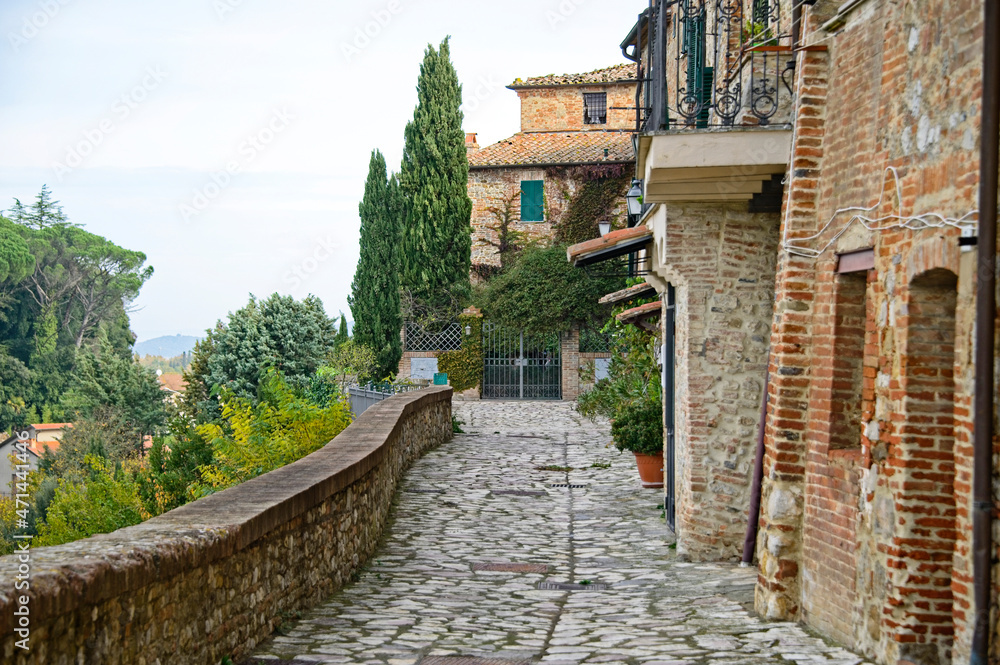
(213, 578)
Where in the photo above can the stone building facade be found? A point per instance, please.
(851, 300)
(865, 526)
(568, 123)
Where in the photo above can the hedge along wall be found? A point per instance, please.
(211, 578)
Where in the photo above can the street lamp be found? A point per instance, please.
(634, 198)
(604, 227)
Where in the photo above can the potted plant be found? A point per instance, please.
(638, 428)
(630, 397)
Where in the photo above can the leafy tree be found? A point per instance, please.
(281, 333)
(15, 387)
(173, 467)
(104, 500)
(16, 260)
(115, 386)
(437, 236)
(351, 362)
(104, 434)
(374, 296)
(281, 427)
(543, 293)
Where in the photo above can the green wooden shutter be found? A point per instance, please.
(697, 73)
(761, 11)
(532, 201)
(705, 96)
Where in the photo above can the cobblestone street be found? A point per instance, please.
(485, 501)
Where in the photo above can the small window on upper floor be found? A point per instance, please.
(595, 108)
(532, 201)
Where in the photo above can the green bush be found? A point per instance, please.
(638, 428)
(105, 501)
(542, 293)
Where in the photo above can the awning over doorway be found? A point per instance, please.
(638, 291)
(645, 316)
(609, 246)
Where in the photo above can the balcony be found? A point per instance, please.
(714, 102)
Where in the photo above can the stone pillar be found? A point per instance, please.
(569, 343)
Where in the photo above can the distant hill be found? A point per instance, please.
(167, 346)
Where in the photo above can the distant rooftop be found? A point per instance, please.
(538, 148)
(624, 73)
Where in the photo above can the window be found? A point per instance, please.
(532, 201)
(595, 108)
(699, 76)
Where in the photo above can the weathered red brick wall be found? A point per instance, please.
(869, 541)
(560, 108)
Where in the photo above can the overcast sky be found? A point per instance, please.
(229, 139)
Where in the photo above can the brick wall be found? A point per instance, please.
(865, 518)
(569, 352)
(720, 258)
(560, 108)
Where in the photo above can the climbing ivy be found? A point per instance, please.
(465, 366)
(601, 187)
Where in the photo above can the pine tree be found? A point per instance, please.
(437, 235)
(374, 297)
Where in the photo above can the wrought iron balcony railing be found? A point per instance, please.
(705, 63)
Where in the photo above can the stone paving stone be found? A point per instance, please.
(481, 498)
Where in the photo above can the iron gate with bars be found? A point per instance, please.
(520, 366)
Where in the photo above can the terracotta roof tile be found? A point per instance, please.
(555, 148)
(628, 293)
(615, 74)
(607, 241)
(44, 427)
(649, 310)
(172, 381)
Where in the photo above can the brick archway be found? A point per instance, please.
(921, 471)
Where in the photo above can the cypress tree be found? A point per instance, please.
(341, 333)
(374, 296)
(437, 235)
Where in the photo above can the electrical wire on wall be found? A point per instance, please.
(859, 215)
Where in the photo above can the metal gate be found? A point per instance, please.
(520, 366)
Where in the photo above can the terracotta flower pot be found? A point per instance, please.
(650, 469)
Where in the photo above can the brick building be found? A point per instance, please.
(568, 123)
(808, 171)
(865, 528)
(575, 134)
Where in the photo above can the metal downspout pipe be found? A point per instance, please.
(982, 440)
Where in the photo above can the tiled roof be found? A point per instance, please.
(44, 427)
(614, 74)
(628, 293)
(172, 381)
(635, 234)
(555, 148)
(642, 312)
